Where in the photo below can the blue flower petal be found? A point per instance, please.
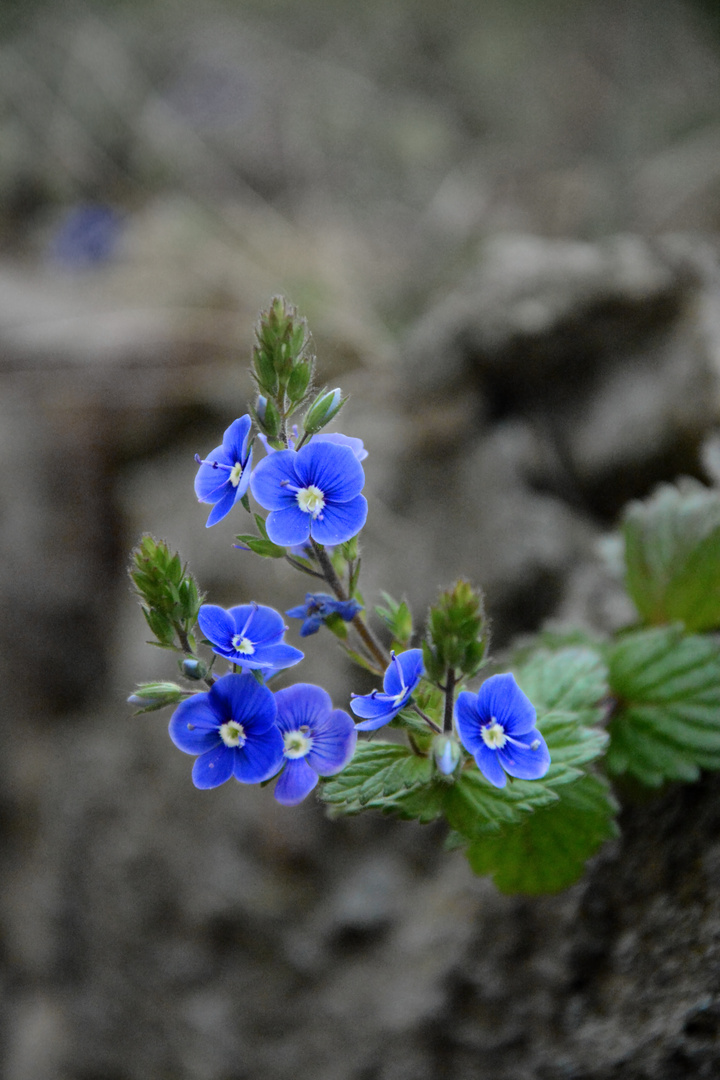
(278, 657)
(217, 625)
(334, 469)
(210, 481)
(488, 762)
(373, 706)
(235, 439)
(222, 508)
(243, 699)
(213, 768)
(333, 743)
(261, 756)
(266, 482)
(522, 761)
(266, 624)
(468, 722)
(193, 726)
(295, 783)
(412, 667)
(501, 697)
(289, 526)
(339, 521)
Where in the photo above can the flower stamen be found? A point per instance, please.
(311, 500)
(493, 735)
(233, 734)
(297, 744)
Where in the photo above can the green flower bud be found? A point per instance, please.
(299, 381)
(457, 633)
(324, 408)
(192, 668)
(152, 696)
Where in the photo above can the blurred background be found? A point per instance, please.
(501, 220)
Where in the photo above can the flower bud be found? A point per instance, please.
(192, 668)
(152, 696)
(446, 754)
(324, 408)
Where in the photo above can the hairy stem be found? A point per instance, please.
(449, 701)
(375, 649)
(431, 723)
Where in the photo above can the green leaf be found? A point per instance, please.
(548, 850)
(378, 774)
(472, 804)
(672, 556)
(667, 724)
(266, 548)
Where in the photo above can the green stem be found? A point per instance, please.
(449, 701)
(431, 723)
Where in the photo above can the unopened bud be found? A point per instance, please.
(446, 753)
(324, 408)
(192, 668)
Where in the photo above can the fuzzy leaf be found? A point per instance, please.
(672, 556)
(377, 774)
(548, 850)
(667, 726)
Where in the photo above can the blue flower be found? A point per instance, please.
(224, 475)
(232, 728)
(313, 492)
(497, 726)
(251, 635)
(401, 678)
(318, 740)
(316, 609)
(88, 235)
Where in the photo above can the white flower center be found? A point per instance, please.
(311, 500)
(297, 744)
(232, 733)
(493, 735)
(243, 645)
(235, 474)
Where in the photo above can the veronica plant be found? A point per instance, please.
(515, 753)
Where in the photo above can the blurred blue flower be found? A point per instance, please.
(402, 676)
(316, 609)
(224, 475)
(356, 445)
(87, 235)
(497, 726)
(318, 740)
(314, 492)
(232, 728)
(250, 635)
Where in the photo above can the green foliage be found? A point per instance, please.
(672, 556)
(156, 695)
(376, 778)
(548, 850)
(667, 721)
(398, 618)
(282, 355)
(262, 544)
(457, 635)
(169, 596)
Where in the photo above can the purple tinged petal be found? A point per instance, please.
(193, 726)
(217, 625)
(340, 521)
(295, 783)
(522, 761)
(501, 697)
(333, 744)
(467, 721)
(488, 762)
(213, 768)
(374, 706)
(412, 667)
(266, 482)
(288, 527)
(303, 703)
(261, 756)
(376, 722)
(356, 445)
(332, 468)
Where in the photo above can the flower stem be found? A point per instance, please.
(431, 723)
(449, 701)
(368, 639)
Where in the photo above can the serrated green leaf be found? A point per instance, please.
(548, 850)
(571, 679)
(378, 773)
(672, 556)
(472, 804)
(667, 725)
